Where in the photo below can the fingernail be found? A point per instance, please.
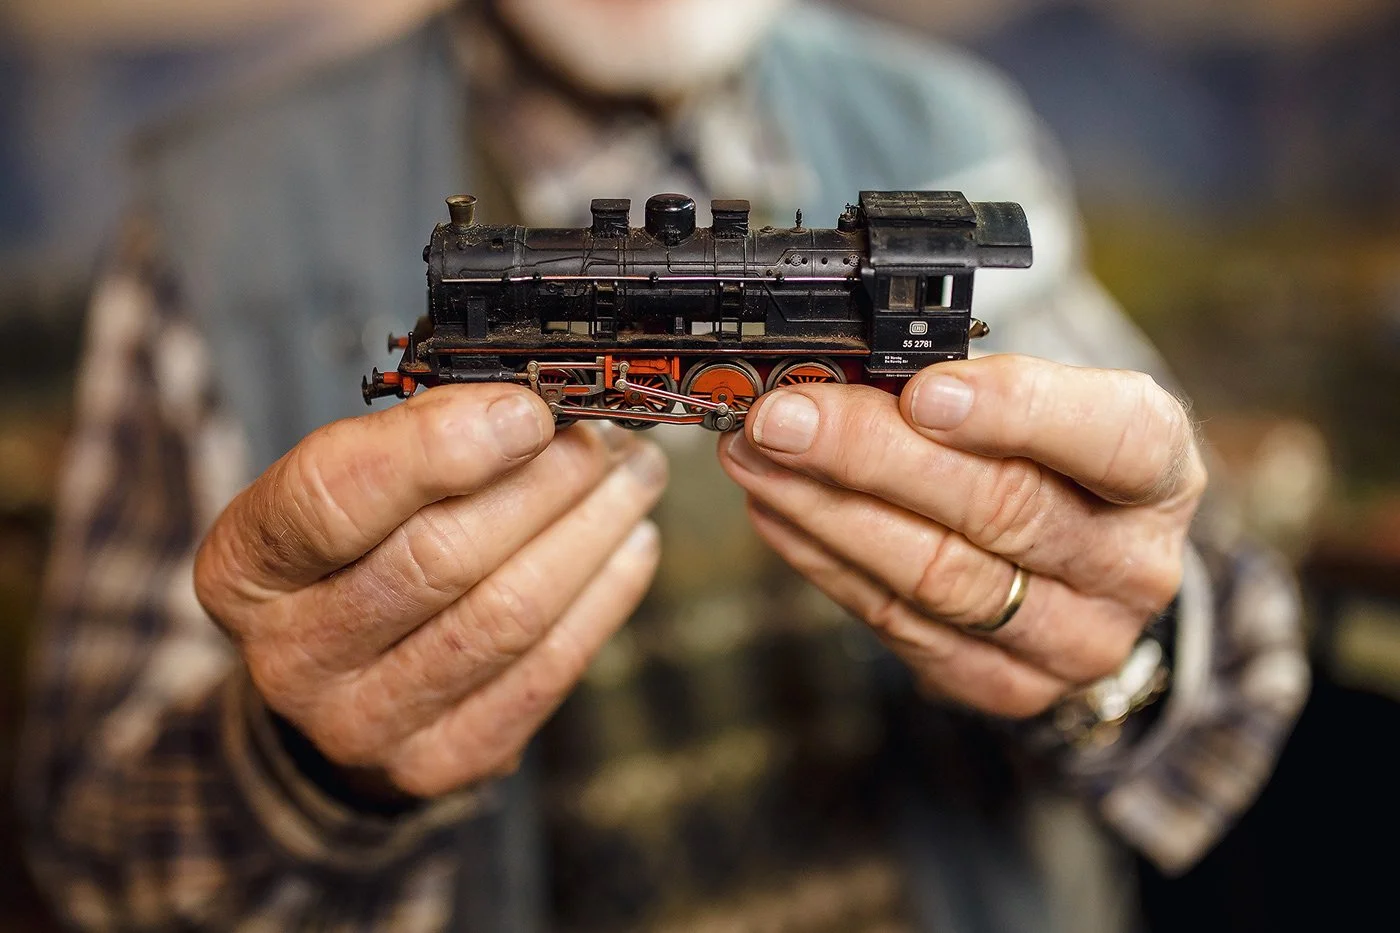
(648, 464)
(787, 424)
(743, 454)
(642, 539)
(941, 402)
(516, 426)
(614, 438)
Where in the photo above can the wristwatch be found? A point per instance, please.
(1096, 716)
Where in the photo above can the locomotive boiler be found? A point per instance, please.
(672, 323)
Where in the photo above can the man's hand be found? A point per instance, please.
(915, 512)
(418, 589)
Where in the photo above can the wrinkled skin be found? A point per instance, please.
(913, 513)
(418, 588)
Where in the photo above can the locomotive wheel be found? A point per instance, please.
(733, 382)
(552, 383)
(635, 401)
(803, 372)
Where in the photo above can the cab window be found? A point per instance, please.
(902, 293)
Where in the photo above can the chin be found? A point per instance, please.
(654, 48)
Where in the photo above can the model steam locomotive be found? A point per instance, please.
(672, 323)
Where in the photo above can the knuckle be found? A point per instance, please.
(1107, 555)
(1146, 397)
(1161, 581)
(1154, 446)
(1008, 372)
(212, 588)
(947, 587)
(448, 773)
(1146, 389)
(422, 779)
(1032, 392)
(315, 496)
(885, 615)
(343, 739)
(857, 467)
(564, 661)
(511, 615)
(574, 658)
(1142, 570)
(1121, 559)
(1195, 477)
(1006, 506)
(1135, 465)
(1167, 418)
(448, 755)
(277, 678)
(208, 581)
(287, 673)
(862, 464)
(441, 449)
(939, 648)
(442, 553)
(928, 644)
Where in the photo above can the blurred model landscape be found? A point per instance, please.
(1236, 165)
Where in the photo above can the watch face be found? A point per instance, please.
(1094, 716)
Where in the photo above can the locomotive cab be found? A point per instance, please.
(923, 249)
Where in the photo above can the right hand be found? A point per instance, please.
(418, 589)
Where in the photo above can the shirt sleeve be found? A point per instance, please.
(1240, 679)
(155, 790)
(1240, 668)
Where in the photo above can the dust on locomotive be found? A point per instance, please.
(672, 323)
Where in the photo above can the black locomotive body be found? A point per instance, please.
(674, 323)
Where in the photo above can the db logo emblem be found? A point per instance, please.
(918, 328)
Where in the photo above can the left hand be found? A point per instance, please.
(914, 513)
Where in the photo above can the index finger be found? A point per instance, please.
(346, 486)
(1115, 432)
(855, 437)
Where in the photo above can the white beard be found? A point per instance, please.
(652, 48)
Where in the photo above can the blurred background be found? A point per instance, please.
(1237, 166)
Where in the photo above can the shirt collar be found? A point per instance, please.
(554, 149)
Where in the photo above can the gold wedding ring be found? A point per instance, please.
(1019, 584)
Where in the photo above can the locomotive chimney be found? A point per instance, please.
(461, 208)
(611, 216)
(731, 218)
(671, 217)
